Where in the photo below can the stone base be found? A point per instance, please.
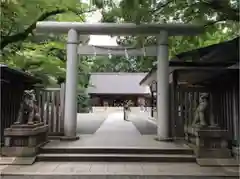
(215, 162)
(33, 125)
(71, 138)
(213, 153)
(21, 151)
(209, 142)
(26, 130)
(157, 138)
(24, 140)
(236, 152)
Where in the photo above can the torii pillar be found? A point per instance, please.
(70, 111)
(162, 87)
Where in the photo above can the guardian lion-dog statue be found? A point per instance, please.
(28, 112)
(200, 118)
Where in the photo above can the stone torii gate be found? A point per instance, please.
(75, 29)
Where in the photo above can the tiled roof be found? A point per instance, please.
(117, 83)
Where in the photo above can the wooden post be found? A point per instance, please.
(62, 107)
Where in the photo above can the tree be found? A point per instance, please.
(42, 55)
(16, 24)
(220, 18)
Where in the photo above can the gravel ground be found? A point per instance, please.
(89, 123)
(143, 125)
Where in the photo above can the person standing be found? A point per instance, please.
(126, 110)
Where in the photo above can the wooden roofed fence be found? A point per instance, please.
(217, 55)
(13, 84)
(213, 70)
(50, 101)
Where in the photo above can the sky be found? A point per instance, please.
(100, 40)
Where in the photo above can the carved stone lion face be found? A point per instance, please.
(29, 95)
(204, 95)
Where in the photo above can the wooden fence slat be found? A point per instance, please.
(51, 113)
(191, 110)
(50, 105)
(62, 103)
(230, 112)
(57, 98)
(47, 109)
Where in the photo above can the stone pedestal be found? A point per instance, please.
(24, 140)
(209, 142)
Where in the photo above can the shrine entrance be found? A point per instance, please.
(75, 47)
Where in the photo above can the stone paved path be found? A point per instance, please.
(114, 125)
(115, 132)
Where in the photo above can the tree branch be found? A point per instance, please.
(214, 22)
(160, 6)
(23, 35)
(5, 40)
(223, 8)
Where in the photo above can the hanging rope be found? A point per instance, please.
(109, 54)
(95, 53)
(144, 51)
(123, 49)
(118, 48)
(126, 53)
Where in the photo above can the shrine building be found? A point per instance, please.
(112, 89)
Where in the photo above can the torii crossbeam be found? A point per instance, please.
(162, 31)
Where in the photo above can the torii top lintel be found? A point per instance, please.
(118, 29)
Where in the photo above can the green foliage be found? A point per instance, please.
(83, 101)
(219, 16)
(43, 55)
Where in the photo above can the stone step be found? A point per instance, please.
(119, 150)
(116, 176)
(62, 157)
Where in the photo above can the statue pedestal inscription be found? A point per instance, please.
(24, 140)
(210, 142)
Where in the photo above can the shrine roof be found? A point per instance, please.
(17, 76)
(221, 55)
(117, 83)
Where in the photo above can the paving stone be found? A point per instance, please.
(2, 167)
(98, 168)
(6, 160)
(10, 169)
(134, 168)
(46, 167)
(73, 167)
(150, 169)
(115, 168)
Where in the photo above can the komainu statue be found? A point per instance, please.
(28, 112)
(200, 113)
